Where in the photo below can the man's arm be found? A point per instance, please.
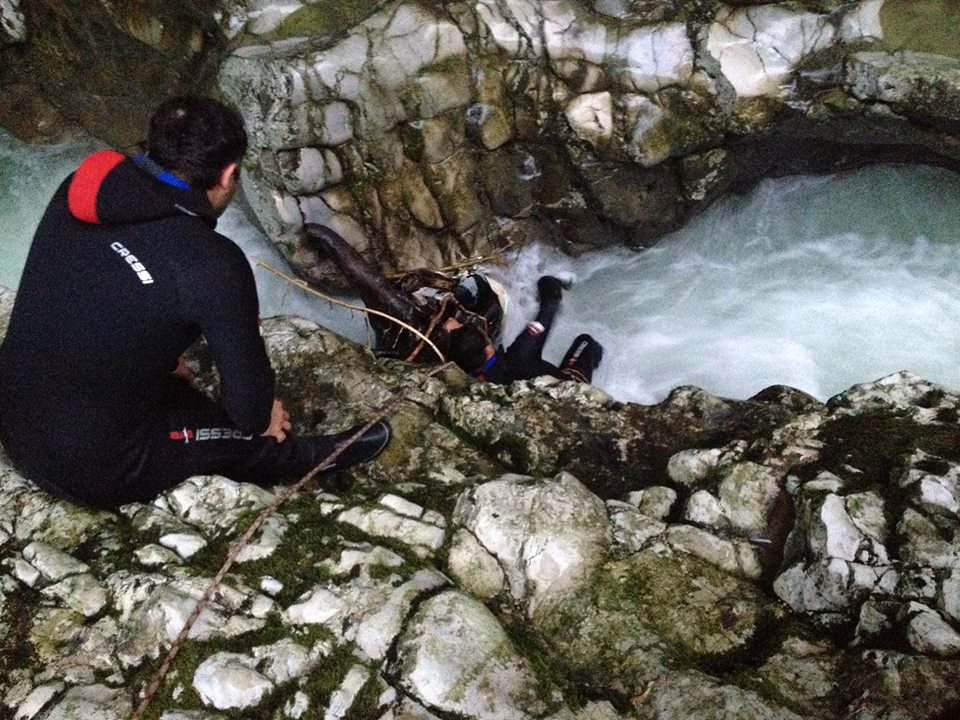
(219, 294)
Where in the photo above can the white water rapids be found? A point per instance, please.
(813, 282)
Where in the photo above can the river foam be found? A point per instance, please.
(813, 282)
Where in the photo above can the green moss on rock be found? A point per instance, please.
(922, 25)
(326, 18)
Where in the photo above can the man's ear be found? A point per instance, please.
(228, 175)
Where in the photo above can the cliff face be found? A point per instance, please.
(428, 132)
(532, 551)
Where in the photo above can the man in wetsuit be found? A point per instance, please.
(522, 360)
(124, 274)
(466, 337)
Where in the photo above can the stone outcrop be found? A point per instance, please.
(530, 551)
(427, 132)
(103, 65)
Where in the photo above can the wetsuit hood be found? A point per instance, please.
(110, 188)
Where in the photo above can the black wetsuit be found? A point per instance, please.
(523, 360)
(124, 273)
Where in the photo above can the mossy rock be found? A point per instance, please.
(654, 608)
(922, 25)
(325, 19)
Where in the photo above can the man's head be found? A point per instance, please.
(201, 141)
(470, 348)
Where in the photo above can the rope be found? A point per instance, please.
(306, 287)
(204, 600)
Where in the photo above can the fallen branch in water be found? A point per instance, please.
(306, 287)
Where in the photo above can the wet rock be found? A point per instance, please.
(456, 657)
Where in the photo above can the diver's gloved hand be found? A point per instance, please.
(549, 288)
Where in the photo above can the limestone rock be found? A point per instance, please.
(539, 559)
(229, 680)
(435, 580)
(456, 657)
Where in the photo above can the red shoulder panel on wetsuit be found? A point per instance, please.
(82, 195)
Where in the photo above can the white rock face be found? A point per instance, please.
(82, 593)
(832, 585)
(377, 630)
(422, 537)
(185, 545)
(311, 92)
(230, 680)
(265, 15)
(747, 494)
(632, 528)
(705, 509)
(833, 534)
(648, 58)
(342, 698)
(456, 657)
(92, 702)
(37, 699)
(929, 633)
(688, 467)
(591, 116)
(656, 501)
(546, 535)
(162, 612)
(863, 22)
(737, 557)
(53, 564)
(475, 569)
(284, 660)
(12, 21)
(759, 47)
(360, 608)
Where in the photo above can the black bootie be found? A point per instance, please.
(365, 448)
(582, 359)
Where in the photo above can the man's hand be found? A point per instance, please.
(279, 422)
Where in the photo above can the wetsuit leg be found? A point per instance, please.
(523, 359)
(194, 436)
(581, 359)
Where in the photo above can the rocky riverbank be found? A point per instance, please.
(532, 551)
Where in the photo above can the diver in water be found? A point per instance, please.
(522, 360)
(464, 320)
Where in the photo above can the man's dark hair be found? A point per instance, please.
(195, 138)
(468, 348)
